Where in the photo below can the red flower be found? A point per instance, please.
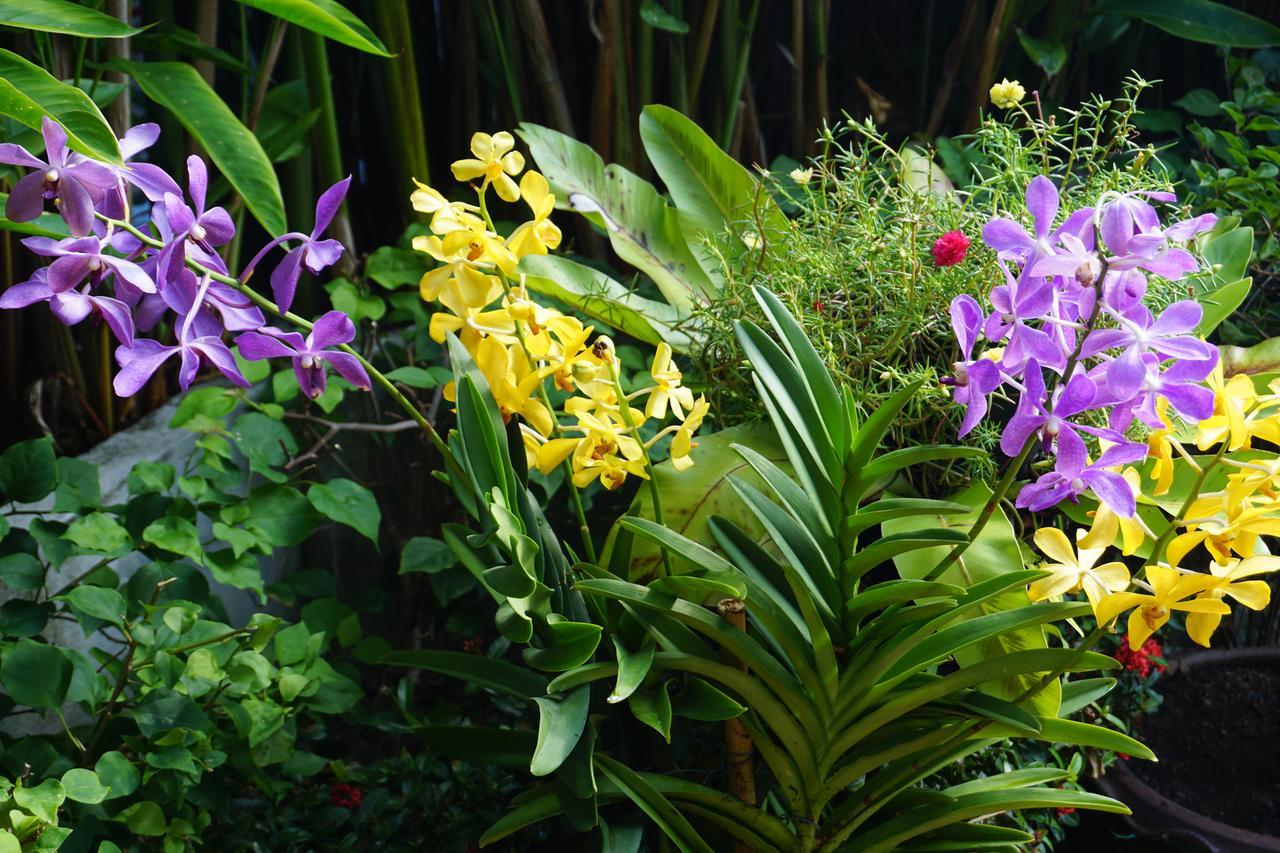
(1066, 810)
(950, 249)
(819, 306)
(1144, 659)
(345, 796)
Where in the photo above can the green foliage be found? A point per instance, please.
(173, 701)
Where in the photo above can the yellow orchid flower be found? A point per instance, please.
(1170, 590)
(667, 388)
(1160, 446)
(610, 470)
(494, 161)
(512, 381)
(539, 234)
(426, 199)
(1253, 594)
(1239, 414)
(1074, 570)
(1234, 531)
(682, 444)
(1107, 525)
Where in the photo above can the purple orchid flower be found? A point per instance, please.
(1182, 384)
(1072, 477)
(312, 252)
(1052, 423)
(1017, 304)
(973, 379)
(148, 177)
(1138, 334)
(71, 306)
(222, 308)
(139, 362)
(309, 354)
(197, 230)
(72, 183)
(79, 258)
(1010, 239)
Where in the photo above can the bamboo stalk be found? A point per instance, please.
(546, 72)
(739, 767)
(206, 29)
(406, 97)
(678, 80)
(799, 118)
(821, 96)
(700, 51)
(118, 110)
(731, 127)
(990, 47)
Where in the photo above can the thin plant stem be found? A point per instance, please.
(624, 410)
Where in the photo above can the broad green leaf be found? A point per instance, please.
(329, 18)
(602, 298)
(98, 532)
(690, 498)
(281, 514)
(653, 708)
(78, 486)
(699, 700)
(100, 602)
(994, 553)
(61, 16)
(1257, 359)
(711, 189)
(84, 786)
(1197, 20)
(349, 503)
(632, 667)
(420, 377)
(35, 674)
(118, 773)
(28, 93)
(1220, 303)
(392, 267)
(28, 470)
(235, 151)
(571, 644)
(426, 554)
(1049, 54)
(561, 720)
(22, 572)
(1227, 253)
(491, 673)
(143, 818)
(645, 231)
(175, 535)
(43, 800)
(1082, 691)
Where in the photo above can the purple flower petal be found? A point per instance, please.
(70, 307)
(1179, 318)
(333, 328)
(966, 319)
(1112, 490)
(1195, 402)
(26, 293)
(350, 369)
(130, 272)
(16, 155)
(1042, 201)
(217, 353)
(55, 142)
(26, 202)
(138, 363)
(1007, 237)
(217, 225)
(197, 182)
(1127, 373)
(320, 254)
(284, 278)
(154, 182)
(327, 205)
(256, 347)
(1072, 454)
(76, 205)
(68, 271)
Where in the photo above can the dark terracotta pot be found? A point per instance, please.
(1153, 813)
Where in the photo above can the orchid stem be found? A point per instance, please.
(624, 409)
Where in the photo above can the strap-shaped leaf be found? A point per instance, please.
(895, 460)
(700, 555)
(791, 496)
(668, 818)
(1076, 733)
(28, 93)
(992, 708)
(948, 641)
(813, 477)
(872, 431)
(917, 821)
(538, 804)
(329, 18)
(727, 811)
(787, 385)
(1077, 694)
(818, 382)
(970, 838)
(886, 509)
(888, 547)
(1024, 778)
(482, 671)
(61, 16)
(484, 442)
(796, 544)
(893, 592)
(561, 720)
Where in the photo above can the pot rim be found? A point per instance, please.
(1126, 786)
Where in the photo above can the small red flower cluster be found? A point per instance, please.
(1066, 810)
(950, 249)
(345, 796)
(1140, 661)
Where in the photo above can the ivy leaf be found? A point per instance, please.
(77, 486)
(99, 532)
(98, 602)
(118, 774)
(28, 470)
(83, 786)
(43, 800)
(35, 674)
(22, 572)
(349, 503)
(175, 535)
(426, 554)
